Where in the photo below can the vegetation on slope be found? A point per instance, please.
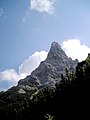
(68, 100)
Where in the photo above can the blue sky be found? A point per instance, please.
(27, 26)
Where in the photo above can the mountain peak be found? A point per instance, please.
(56, 52)
(49, 71)
(55, 44)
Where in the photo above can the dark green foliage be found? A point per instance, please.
(68, 100)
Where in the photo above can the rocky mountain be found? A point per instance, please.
(70, 95)
(49, 71)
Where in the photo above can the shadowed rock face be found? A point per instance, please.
(49, 71)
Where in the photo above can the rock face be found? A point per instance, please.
(49, 71)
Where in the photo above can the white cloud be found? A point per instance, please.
(9, 74)
(12, 77)
(75, 49)
(32, 62)
(43, 6)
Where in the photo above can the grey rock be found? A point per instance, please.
(49, 71)
(21, 91)
(30, 81)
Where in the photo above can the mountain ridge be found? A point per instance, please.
(49, 71)
(69, 99)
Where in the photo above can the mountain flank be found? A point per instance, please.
(49, 71)
(54, 98)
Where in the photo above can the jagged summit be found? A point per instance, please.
(55, 48)
(55, 44)
(49, 71)
(56, 52)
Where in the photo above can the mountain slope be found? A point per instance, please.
(49, 71)
(69, 99)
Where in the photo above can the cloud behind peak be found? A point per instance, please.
(75, 49)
